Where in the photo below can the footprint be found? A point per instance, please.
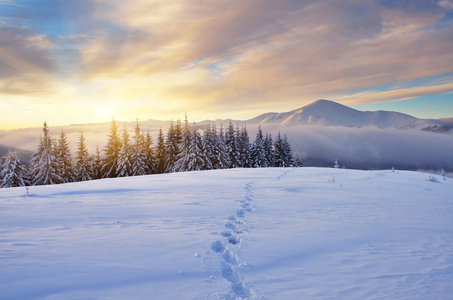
(217, 247)
(229, 272)
(240, 213)
(226, 233)
(234, 239)
(230, 257)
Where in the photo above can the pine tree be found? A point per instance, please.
(244, 148)
(279, 160)
(43, 164)
(97, 164)
(269, 150)
(161, 153)
(288, 159)
(209, 140)
(112, 152)
(231, 146)
(12, 172)
(138, 154)
(64, 160)
(125, 156)
(197, 159)
(184, 145)
(172, 147)
(258, 155)
(221, 159)
(150, 160)
(83, 161)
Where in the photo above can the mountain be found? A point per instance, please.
(330, 113)
(24, 155)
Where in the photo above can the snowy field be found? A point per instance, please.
(307, 233)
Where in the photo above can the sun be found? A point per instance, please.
(105, 111)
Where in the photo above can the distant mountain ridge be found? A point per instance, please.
(330, 113)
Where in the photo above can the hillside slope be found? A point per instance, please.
(311, 233)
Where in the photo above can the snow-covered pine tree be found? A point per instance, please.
(64, 159)
(288, 159)
(258, 155)
(97, 164)
(221, 159)
(279, 151)
(209, 140)
(84, 167)
(269, 150)
(197, 159)
(12, 172)
(138, 152)
(244, 148)
(336, 166)
(172, 147)
(161, 154)
(150, 160)
(125, 156)
(43, 166)
(182, 163)
(112, 152)
(231, 146)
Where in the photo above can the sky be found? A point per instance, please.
(86, 61)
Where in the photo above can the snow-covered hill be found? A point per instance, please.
(329, 113)
(307, 233)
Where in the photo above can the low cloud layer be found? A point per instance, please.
(371, 148)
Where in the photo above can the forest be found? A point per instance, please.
(182, 148)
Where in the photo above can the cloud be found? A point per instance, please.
(371, 148)
(447, 4)
(25, 64)
(222, 58)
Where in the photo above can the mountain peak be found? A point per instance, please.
(331, 113)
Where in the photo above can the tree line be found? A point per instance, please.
(182, 148)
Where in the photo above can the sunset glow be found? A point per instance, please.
(85, 61)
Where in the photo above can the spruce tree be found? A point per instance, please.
(288, 153)
(172, 147)
(269, 150)
(112, 152)
(97, 164)
(84, 169)
(184, 145)
(231, 146)
(244, 148)
(221, 158)
(279, 159)
(258, 155)
(161, 153)
(209, 140)
(150, 160)
(12, 172)
(197, 159)
(64, 160)
(138, 154)
(125, 156)
(43, 166)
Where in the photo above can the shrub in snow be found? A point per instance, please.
(432, 178)
(336, 166)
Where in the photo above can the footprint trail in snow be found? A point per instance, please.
(227, 247)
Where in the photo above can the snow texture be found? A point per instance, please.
(269, 233)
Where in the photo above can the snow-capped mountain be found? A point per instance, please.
(330, 113)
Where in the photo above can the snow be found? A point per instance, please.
(303, 233)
